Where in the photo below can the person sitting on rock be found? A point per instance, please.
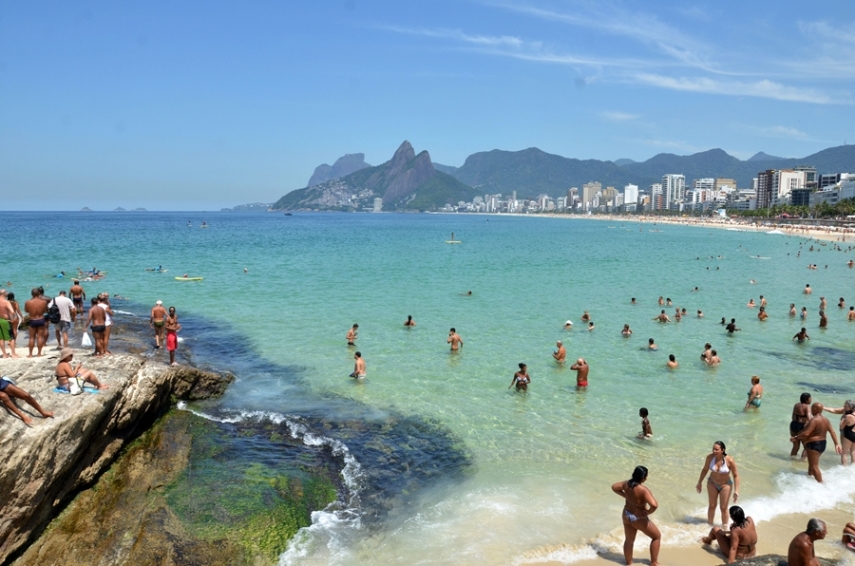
(8, 390)
(64, 371)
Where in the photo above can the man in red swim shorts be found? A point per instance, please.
(172, 328)
(581, 367)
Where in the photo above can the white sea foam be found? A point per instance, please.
(331, 528)
(563, 553)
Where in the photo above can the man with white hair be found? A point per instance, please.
(560, 354)
(158, 322)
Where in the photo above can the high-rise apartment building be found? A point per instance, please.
(765, 180)
(630, 194)
(657, 198)
(589, 190)
(673, 188)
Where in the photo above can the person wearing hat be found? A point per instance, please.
(561, 353)
(158, 322)
(64, 371)
(568, 325)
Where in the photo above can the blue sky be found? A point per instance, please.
(202, 105)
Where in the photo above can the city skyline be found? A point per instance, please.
(210, 105)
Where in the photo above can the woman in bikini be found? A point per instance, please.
(640, 503)
(740, 542)
(847, 430)
(64, 371)
(521, 379)
(720, 484)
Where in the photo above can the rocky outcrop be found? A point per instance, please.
(343, 166)
(46, 464)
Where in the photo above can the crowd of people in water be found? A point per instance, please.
(809, 429)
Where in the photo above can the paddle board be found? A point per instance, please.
(453, 241)
(189, 278)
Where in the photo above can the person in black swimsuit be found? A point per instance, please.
(814, 437)
(801, 416)
(847, 434)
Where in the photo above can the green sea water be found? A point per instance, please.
(543, 461)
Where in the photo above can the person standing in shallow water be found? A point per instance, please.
(455, 340)
(755, 394)
(521, 378)
(409, 321)
(640, 504)
(719, 485)
(814, 438)
(352, 335)
(581, 367)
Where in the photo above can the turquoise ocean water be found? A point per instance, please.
(543, 462)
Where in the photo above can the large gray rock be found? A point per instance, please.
(46, 464)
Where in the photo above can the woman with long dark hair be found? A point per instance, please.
(719, 485)
(740, 542)
(640, 503)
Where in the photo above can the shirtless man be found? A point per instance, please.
(352, 335)
(814, 437)
(672, 362)
(38, 330)
(713, 360)
(78, 295)
(823, 319)
(808, 290)
(762, 301)
(409, 321)
(651, 345)
(731, 328)
(801, 335)
(581, 367)
(800, 418)
(98, 321)
(792, 309)
(762, 314)
(7, 313)
(157, 321)
(455, 340)
(662, 317)
(560, 354)
(823, 304)
(851, 315)
(707, 353)
(801, 552)
(358, 366)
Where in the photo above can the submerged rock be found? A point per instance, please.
(46, 464)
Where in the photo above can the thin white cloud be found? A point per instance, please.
(618, 116)
(781, 132)
(761, 89)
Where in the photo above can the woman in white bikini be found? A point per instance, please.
(720, 484)
(640, 503)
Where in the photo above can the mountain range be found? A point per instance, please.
(405, 182)
(410, 181)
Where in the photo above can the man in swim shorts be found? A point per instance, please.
(800, 418)
(36, 308)
(801, 335)
(78, 295)
(7, 313)
(561, 353)
(157, 321)
(352, 335)
(98, 321)
(358, 366)
(662, 317)
(581, 367)
(814, 438)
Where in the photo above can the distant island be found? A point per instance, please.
(253, 207)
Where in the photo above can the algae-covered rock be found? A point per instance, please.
(181, 494)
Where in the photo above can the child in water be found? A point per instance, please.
(646, 430)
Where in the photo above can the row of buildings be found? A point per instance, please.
(800, 186)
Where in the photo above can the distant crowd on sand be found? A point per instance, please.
(809, 429)
(64, 313)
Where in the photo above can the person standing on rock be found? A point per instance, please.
(158, 322)
(104, 303)
(78, 295)
(172, 328)
(97, 320)
(66, 308)
(7, 313)
(36, 308)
